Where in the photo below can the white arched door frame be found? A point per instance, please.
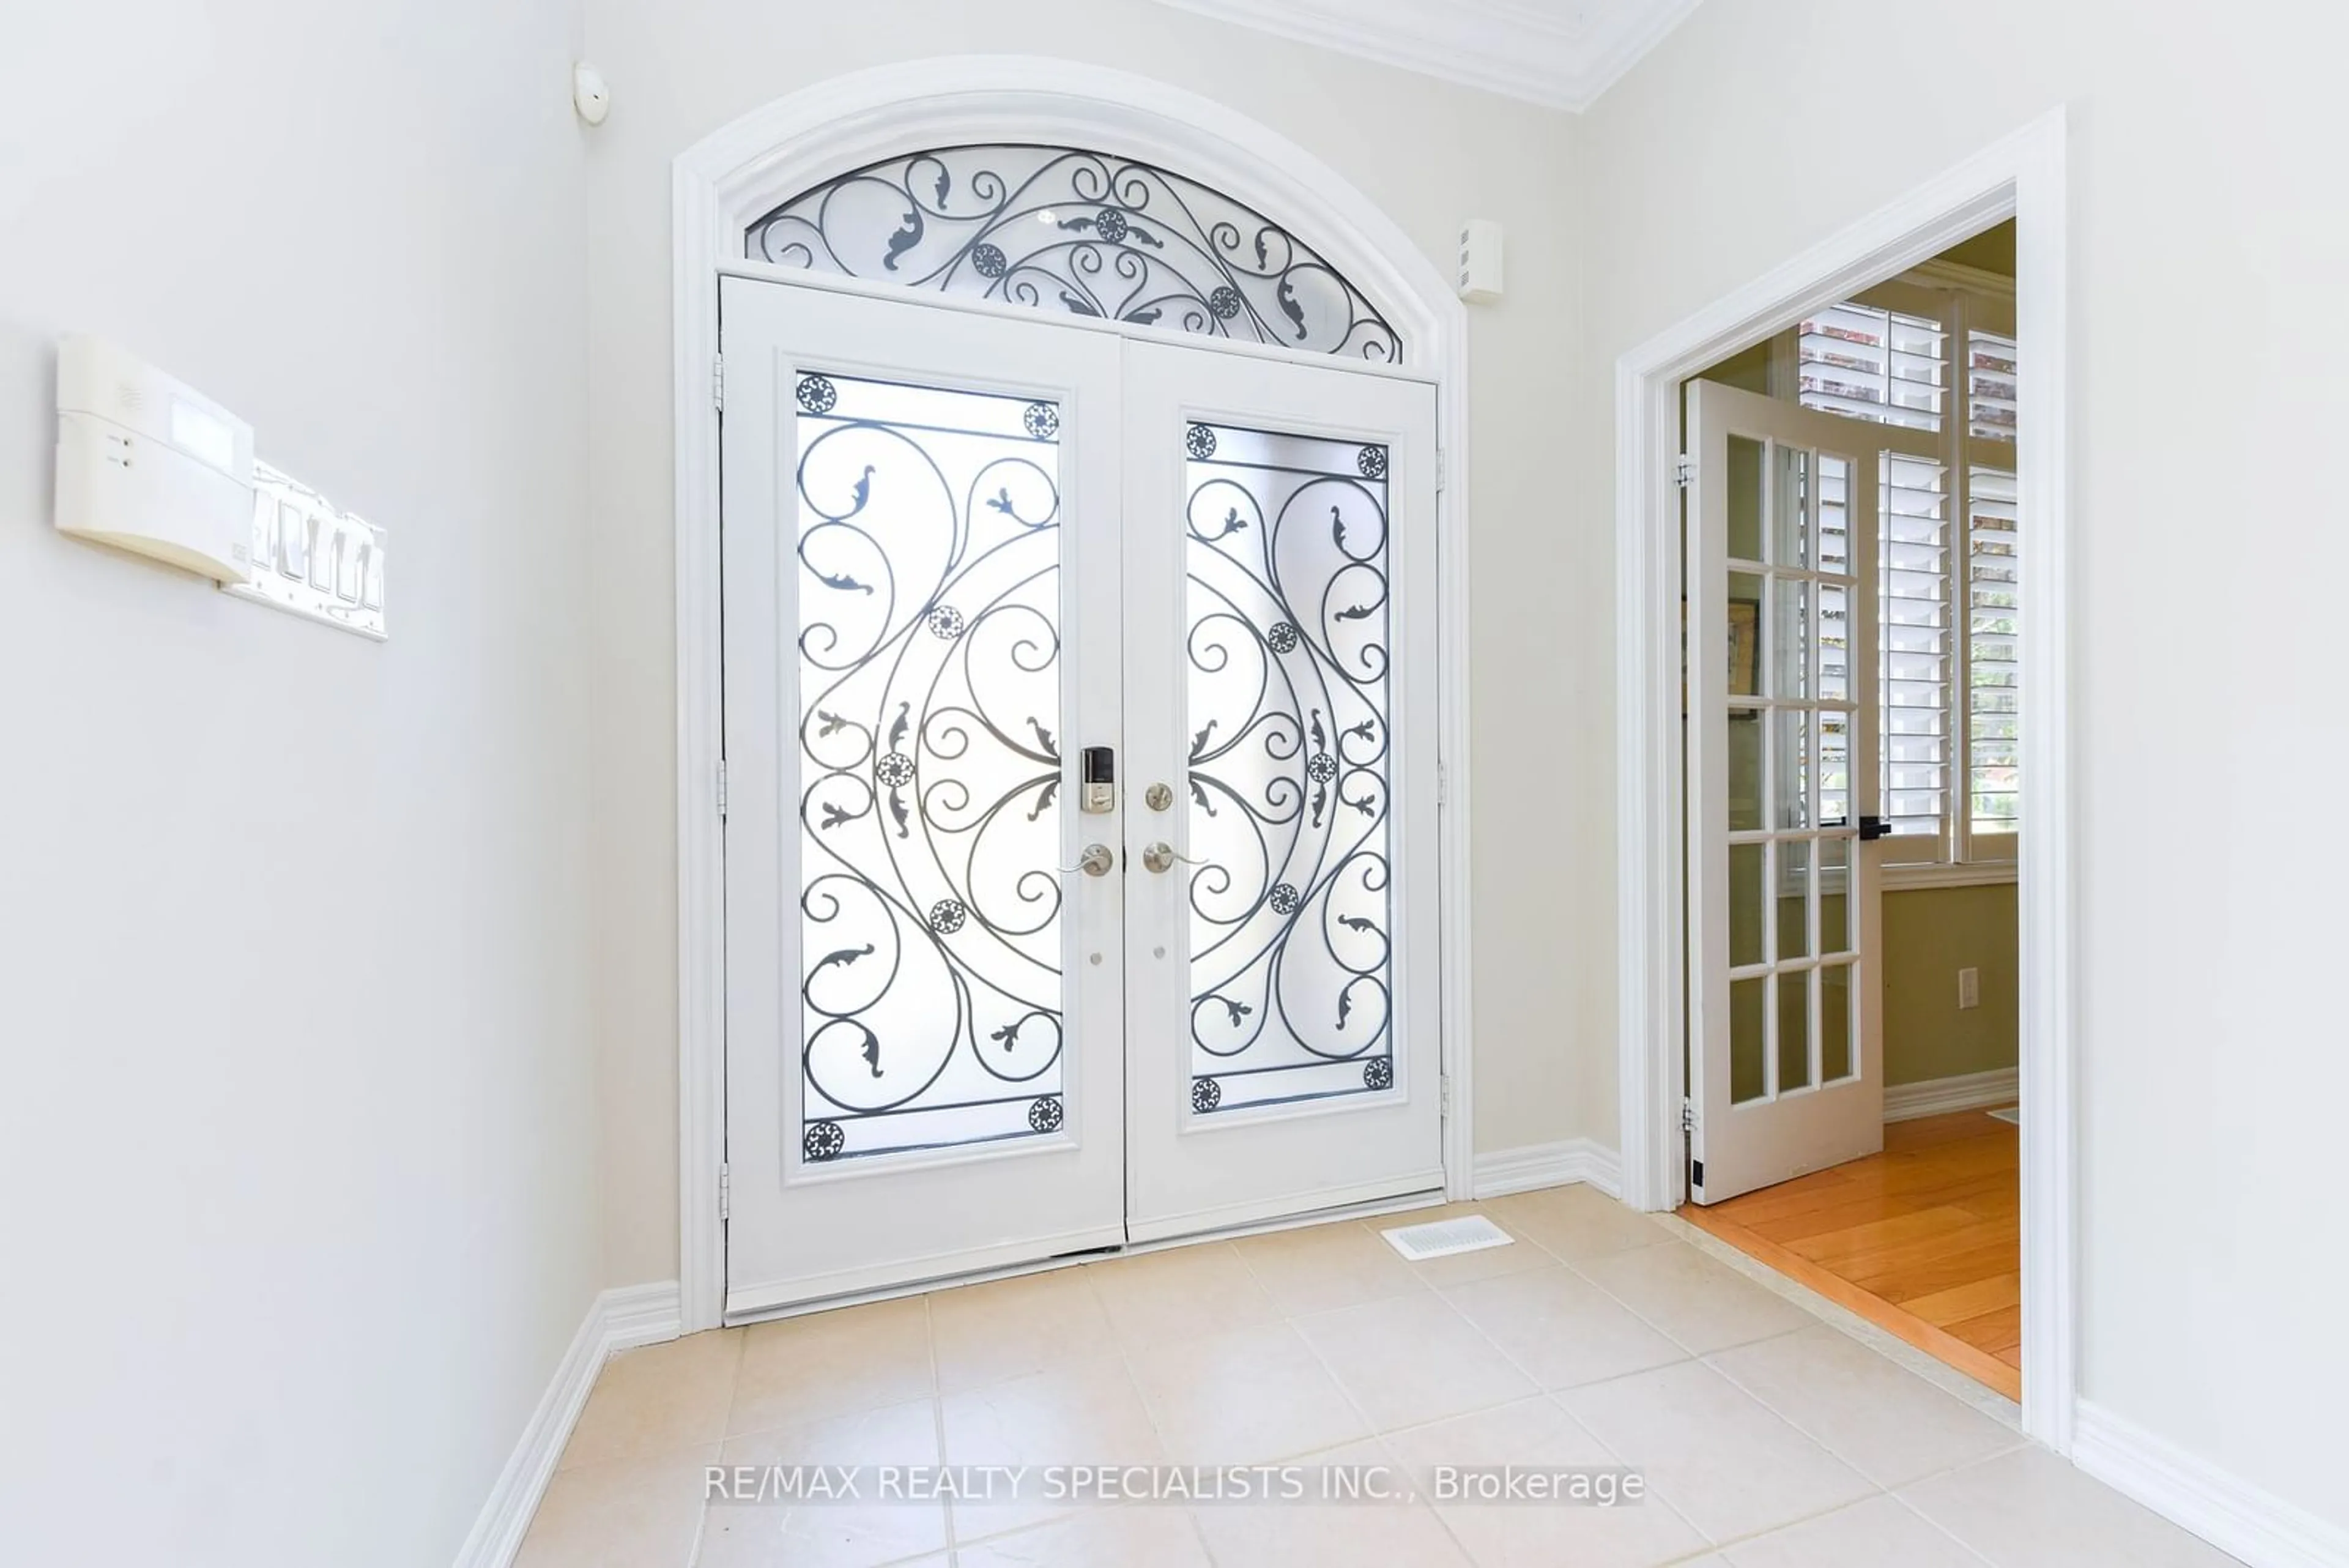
(730, 179)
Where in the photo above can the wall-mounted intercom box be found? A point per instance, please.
(149, 464)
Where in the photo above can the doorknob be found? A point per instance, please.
(1098, 860)
(1162, 855)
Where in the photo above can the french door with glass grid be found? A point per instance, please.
(1784, 997)
(1079, 718)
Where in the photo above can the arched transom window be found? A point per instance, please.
(1058, 228)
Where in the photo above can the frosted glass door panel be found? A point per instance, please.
(1286, 645)
(929, 643)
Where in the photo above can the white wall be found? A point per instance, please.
(2209, 246)
(303, 1194)
(1429, 153)
(297, 1126)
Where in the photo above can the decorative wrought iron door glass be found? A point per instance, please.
(1286, 639)
(1059, 228)
(929, 679)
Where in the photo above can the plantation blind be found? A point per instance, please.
(1993, 688)
(1916, 652)
(1890, 367)
(1870, 364)
(1951, 613)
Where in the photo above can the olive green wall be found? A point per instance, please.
(1992, 250)
(1748, 371)
(1930, 934)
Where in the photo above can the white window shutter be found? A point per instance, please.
(1994, 628)
(1951, 614)
(1870, 364)
(1989, 385)
(1915, 673)
(1835, 641)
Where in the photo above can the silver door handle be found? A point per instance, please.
(1162, 855)
(1098, 860)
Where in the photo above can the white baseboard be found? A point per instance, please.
(2230, 1513)
(1508, 1170)
(1937, 1096)
(616, 1320)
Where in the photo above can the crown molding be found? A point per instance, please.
(1506, 47)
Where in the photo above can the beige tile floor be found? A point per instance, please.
(1769, 1438)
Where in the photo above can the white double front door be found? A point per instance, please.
(1080, 762)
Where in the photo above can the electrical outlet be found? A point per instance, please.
(1969, 988)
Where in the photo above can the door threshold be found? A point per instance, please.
(1936, 1342)
(1365, 1209)
(1083, 1255)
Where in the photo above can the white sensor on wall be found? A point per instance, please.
(589, 93)
(1480, 261)
(149, 464)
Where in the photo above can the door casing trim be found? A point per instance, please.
(2024, 177)
(730, 176)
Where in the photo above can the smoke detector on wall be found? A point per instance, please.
(589, 94)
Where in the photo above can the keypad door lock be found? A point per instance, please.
(1098, 780)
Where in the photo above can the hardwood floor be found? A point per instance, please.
(1923, 1240)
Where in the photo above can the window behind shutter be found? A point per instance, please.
(1994, 624)
(1949, 621)
(1835, 641)
(1916, 653)
(1890, 367)
(1989, 385)
(1870, 364)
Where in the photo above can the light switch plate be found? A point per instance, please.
(312, 559)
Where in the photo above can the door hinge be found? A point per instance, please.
(717, 382)
(1440, 466)
(1688, 1117)
(1443, 1094)
(1443, 786)
(725, 1192)
(721, 789)
(1684, 471)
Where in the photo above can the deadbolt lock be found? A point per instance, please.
(1158, 797)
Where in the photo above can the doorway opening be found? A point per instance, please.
(1807, 455)
(942, 181)
(1856, 802)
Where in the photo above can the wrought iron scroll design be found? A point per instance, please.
(929, 668)
(1287, 643)
(1059, 228)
